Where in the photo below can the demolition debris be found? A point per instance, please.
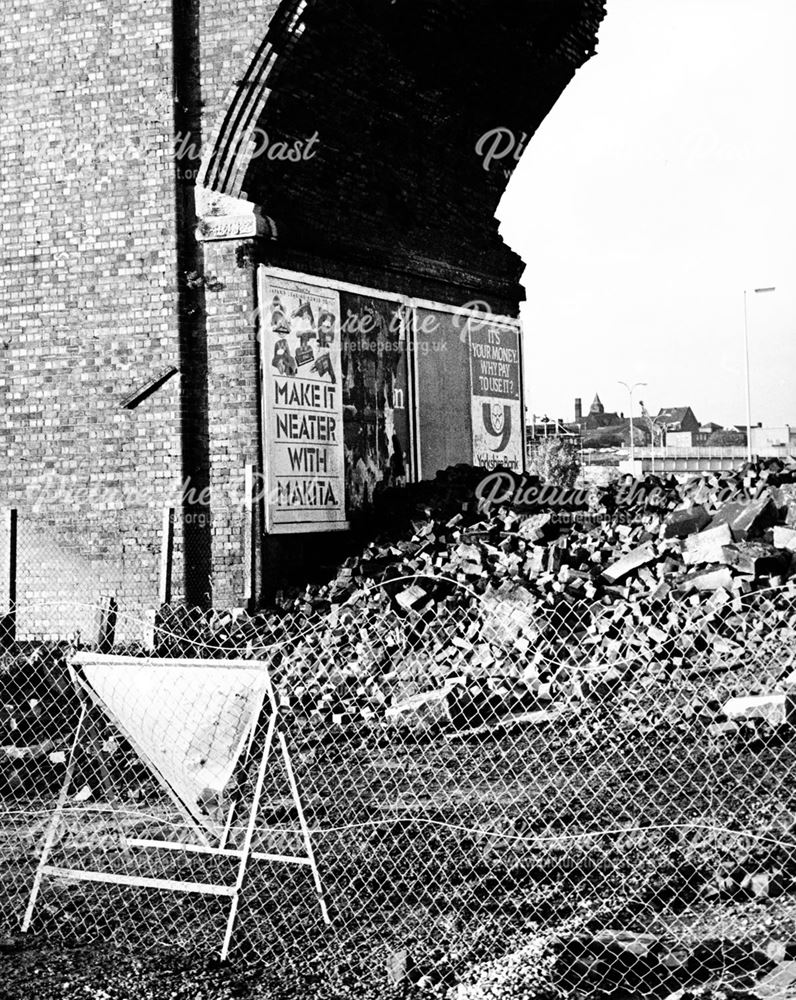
(517, 610)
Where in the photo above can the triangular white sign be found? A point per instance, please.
(189, 722)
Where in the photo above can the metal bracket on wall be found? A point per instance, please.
(151, 385)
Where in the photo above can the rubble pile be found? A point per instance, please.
(479, 611)
(465, 614)
(36, 695)
(620, 963)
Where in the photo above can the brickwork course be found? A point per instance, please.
(128, 351)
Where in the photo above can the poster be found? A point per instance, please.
(441, 349)
(376, 401)
(303, 401)
(495, 396)
(190, 723)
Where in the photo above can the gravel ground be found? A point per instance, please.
(457, 850)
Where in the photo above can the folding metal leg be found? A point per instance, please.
(55, 821)
(305, 833)
(247, 840)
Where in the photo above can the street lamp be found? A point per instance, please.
(757, 291)
(630, 389)
(653, 423)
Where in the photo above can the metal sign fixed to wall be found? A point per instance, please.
(303, 405)
(496, 396)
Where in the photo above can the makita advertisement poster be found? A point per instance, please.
(303, 401)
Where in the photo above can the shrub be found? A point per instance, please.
(557, 461)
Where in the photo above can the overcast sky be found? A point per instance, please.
(660, 186)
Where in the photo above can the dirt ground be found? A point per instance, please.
(455, 850)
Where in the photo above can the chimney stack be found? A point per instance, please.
(578, 410)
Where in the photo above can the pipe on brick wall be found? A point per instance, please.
(194, 532)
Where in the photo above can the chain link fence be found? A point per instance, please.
(497, 799)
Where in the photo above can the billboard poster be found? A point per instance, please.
(441, 350)
(375, 396)
(303, 402)
(496, 403)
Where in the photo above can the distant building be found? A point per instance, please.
(768, 440)
(597, 417)
(700, 438)
(681, 439)
(677, 419)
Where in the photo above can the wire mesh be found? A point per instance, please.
(504, 797)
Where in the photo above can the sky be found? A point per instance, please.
(660, 186)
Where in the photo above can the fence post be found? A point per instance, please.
(247, 597)
(107, 629)
(8, 618)
(166, 556)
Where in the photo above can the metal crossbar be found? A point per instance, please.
(244, 855)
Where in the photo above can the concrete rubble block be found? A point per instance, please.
(629, 941)
(778, 983)
(747, 519)
(724, 729)
(399, 964)
(773, 708)
(681, 523)
(610, 963)
(708, 580)
(776, 949)
(785, 538)
(422, 710)
(763, 885)
(706, 547)
(641, 556)
(534, 563)
(536, 527)
(755, 558)
(675, 958)
(411, 596)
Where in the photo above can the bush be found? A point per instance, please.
(556, 461)
(727, 439)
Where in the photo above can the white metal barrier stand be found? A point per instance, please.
(245, 854)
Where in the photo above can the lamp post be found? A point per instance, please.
(630, 389)
(653, 423)
(757, 291)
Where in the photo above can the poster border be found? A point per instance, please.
(521, 386)
(297, 527)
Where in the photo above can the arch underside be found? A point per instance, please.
(397, 94)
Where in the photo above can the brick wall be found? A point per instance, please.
(104, 286)
(87, 226)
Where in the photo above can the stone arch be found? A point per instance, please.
(228, 152)
(399, 92)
